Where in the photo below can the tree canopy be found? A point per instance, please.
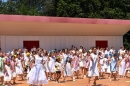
(105, 9)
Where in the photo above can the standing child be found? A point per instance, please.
(19, 67)
(101, 62)
(127, 64)
(82, 63)
(113, 66)
(93, 68)
(122, 66)
(87, 58)
(1, 68)
(76, 64)
(108, 61)
(51, 65)
(32, 59)
(62, 63)
(46, 59)
(37, 76)
(26, 63)
(8, 73)
(68, 69)
(13, 65)
(105, 63)
(58, 70)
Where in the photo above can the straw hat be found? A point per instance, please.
(15, 56)
(27, 53)
(123, 53)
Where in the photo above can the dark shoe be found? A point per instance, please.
(94, 83)
(14, 82)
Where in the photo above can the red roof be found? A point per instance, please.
(26, 18)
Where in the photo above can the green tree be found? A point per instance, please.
(49, 7)
(126, 39)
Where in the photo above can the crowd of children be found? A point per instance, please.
(39, 66)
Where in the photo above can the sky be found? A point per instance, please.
(4, 0)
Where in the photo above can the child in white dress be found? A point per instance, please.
(1, 68)
(87, 59)
(113, 66)
(108, 61)
(51, 66)
(68, 69)
(122, 66)
(93, 68)
(19, 66)
(127, 64)
(76, 64)
(37, 76)
(8, 73)
(101, 62)
(105, 63)
(26, 62)
(58, 70)
(121, 51)
(81, 64)
(46, 59)
(84, 62)
(13, 65)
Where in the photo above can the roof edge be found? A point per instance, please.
(48, 19)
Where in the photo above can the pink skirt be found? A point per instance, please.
(87, 64)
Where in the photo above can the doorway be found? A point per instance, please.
(30, 44)
(102, 44)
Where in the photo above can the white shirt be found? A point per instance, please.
(95, 59)
(12, 53)
(73, 51)
(111, 51)
(24, 54)
(107, 52)
(80, 50)
(121, 52)
(101, 60)
(26, 59)
(64, 56)
(57, 66)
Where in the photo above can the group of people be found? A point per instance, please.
(39, 66)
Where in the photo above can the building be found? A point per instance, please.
(18, 31)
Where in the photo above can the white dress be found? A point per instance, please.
(105, 63)
(37, 75)
(102, 69)
(121, 52)
(51, 65)
(122, 67)
(19, 67)
(64, 57)
(93, 68)
(106, 53)
(7, 75)
(108, 66)
(128, 63)
(68, 70)
(82, 61)
(75, 64)
(26, 59)
(46, 64)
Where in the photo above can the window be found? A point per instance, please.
(30, 44)
(102, 44)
